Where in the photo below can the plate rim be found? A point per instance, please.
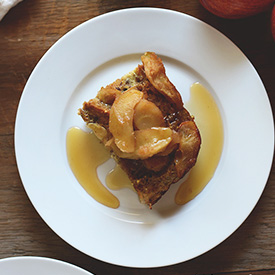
(102, 17)
(30, 259)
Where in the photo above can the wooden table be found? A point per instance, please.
(26, 33)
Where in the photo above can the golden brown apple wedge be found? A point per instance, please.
(108, 94)
(189, 147)
(147, 115)
(155, 72)
(151, 141)
(173, 145)
(99, 131)
(110, 144)
(121, 119)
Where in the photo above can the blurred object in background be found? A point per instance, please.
(6, 5)
(237, 9)
(273, 22)
(234, 9)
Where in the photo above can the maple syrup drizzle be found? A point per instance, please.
(85, 153)
(117, 179)
(209, 122)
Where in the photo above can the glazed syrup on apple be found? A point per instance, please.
(209, 122)
(82, 147)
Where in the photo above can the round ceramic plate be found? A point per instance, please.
(38, 265)
(93, 55)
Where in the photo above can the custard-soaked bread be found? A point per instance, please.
(140, 118)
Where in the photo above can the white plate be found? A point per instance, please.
(29, 265)
(93, 55)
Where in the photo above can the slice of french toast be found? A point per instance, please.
(141, 119)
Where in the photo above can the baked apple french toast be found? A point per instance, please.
(141, 119)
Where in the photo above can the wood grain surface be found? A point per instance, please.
(26, 33)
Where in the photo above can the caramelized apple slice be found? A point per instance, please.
(151, 141)
(108, 94)
(173, 145)
(121, 119)
(99, 131)
(155, 72)
(189, 146)
(112, 146)
(148, 115)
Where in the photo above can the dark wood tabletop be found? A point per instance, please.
(26, 33)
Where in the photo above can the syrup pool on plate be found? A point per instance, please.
(85, 153)
(117, 179)
(208, 119)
